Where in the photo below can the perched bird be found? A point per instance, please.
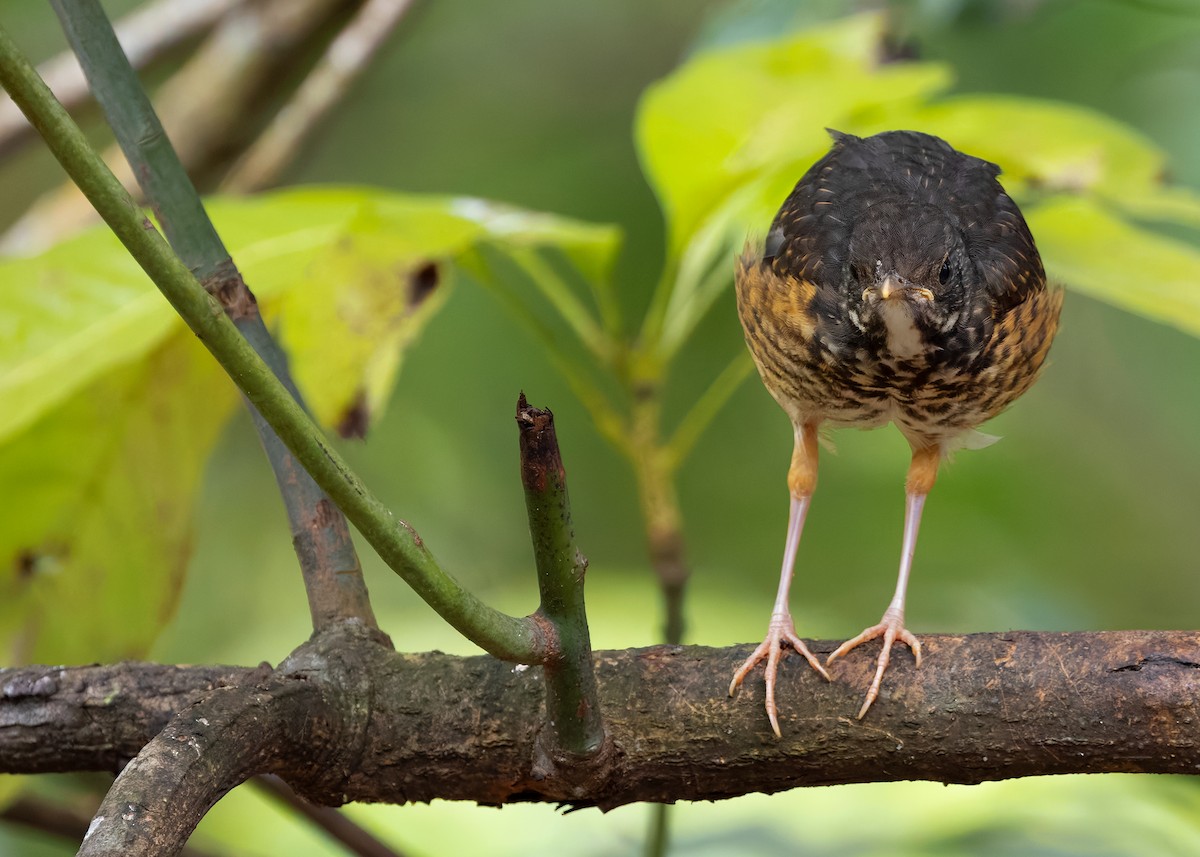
(898, 283)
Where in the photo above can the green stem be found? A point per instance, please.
(655, 474)
(332, 573)
(555, 290)
(572, 703)
(159, 172)
(659, 835)
(656, 314)
(398, 545)
(604, 416)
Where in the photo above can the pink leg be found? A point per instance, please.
(891, 627)
(801, 479)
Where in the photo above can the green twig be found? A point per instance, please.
(159, 172)
(702, 273)
(398, 545)
(658, 837)
(605, 296)
(655, 477)
(572, 705)
(656, 313)
(555, 290)
(603, 414)
(332, 573)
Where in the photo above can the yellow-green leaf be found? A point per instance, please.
(111, 406)
(732, 112)
(1047, 145)
(1096, 253)
(96, 531)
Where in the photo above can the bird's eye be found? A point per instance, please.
(944, 273)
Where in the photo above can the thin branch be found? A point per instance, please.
(356, 838)
(559, 295)
(981, 707)
(572, 706)
(162, 177)
(146, 34)
(396, 542)
(332, 574)
(344, 61)
(653, 468)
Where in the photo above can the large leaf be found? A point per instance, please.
(111, 406)
(730, 113)
(1094, 252)
(96, 530)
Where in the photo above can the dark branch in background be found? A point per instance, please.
(981, 707)
(146, 34)
(57, 820)
(345, 59)
(332, 573)
(211, 106)
(355, 838)
(573, 715)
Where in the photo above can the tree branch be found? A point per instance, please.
(333, 578)
(210, 747)
(981, 707)
(347, 56)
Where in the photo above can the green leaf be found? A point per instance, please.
(68, 317)
(1047, 145)
(347, 313)
(96, 535)
(731, 113)
(1096, 253)
(112, 407)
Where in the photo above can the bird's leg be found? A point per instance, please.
(802, 480)
(921, 475)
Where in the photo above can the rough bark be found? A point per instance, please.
(419, 727)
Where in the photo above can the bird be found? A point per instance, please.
(899, 283)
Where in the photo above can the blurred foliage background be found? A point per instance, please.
(1082, 518)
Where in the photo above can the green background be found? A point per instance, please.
(1084, 517)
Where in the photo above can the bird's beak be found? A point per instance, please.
(891, 287)
(894, 287)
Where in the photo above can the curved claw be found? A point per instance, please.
(891, 628)
(781, 630)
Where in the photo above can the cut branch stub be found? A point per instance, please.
(575, 729)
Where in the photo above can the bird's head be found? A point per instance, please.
(908, 276)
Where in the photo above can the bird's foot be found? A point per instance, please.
(781, 630)
(891, 628)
